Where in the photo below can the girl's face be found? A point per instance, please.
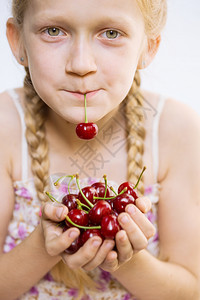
(83, 46)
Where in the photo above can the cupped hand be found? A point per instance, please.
(56, 241)
(136, 230)
(89, 256)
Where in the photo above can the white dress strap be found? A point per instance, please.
(155, 137)
(15, 97)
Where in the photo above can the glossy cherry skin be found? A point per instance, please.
(70, 201)
(98, 211)
(121, 201)
(90, 233)
(109, 226)
(77, 216)
(86, 131)
(89, 192)
(75, 245)
(100, 188)
(130, 189)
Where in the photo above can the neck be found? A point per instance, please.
(57, 126)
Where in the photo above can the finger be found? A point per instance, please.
(124, 247)
(143, 203)
(54, 211)
(105, 248)
(134, 233)
(85, 254)
(141, 220)
(110, 263)
(56, 242)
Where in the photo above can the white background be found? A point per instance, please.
(174, 72)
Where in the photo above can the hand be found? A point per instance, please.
(55, 240)
(89, 256)
(136, 230)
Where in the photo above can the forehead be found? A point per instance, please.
(79, 10)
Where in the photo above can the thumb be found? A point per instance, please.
(54, 211)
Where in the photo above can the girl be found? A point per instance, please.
(69, 49)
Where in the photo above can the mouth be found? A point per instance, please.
(80, 94)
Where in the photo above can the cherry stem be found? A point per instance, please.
(106, 185)
(80, 204)
(123, 191)
(71, 176)
(85, 103)
(51, 197)
(112, 189)
(81, 227)
(140, 177)
(86, 199)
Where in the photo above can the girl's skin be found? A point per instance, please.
(98, 48)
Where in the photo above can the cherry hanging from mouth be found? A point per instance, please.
(86, 131)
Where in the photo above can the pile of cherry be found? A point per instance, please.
(94, 210)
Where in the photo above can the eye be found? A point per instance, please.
(111, 34)
(53, 31)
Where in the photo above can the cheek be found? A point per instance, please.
(120, 75)
(43, 71)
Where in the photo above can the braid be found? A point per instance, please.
(136, 132)
(35, 116)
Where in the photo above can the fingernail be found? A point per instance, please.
(73, 234)
(96, 243)
(59, 212)
(109, 245)
(131, 209)
(124, 219)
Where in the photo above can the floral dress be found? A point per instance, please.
(26, 216)
(27, 213)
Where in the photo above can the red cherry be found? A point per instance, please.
(121, 201)
(109, 226)
(86, 131)
(89, 193)
(130, 189)
(69, 200)
(90, 233)
(75, 245)
(98, 211)
(77, 216)
(100, 188)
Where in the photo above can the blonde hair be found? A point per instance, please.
(154, 13)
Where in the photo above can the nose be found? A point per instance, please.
(81, 59)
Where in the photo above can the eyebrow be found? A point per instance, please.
(121, 21)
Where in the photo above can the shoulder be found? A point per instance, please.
(10, 129)
(180, 124)
(179, 133)
(9, 116)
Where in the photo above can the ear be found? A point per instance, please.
(15, 42)
(149, 52)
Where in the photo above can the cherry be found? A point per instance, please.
(130, 186)
(89, 192)
(90, 233)
(130, 189)
(98, 211)
(100, 188)
(78, 217)
(109, 226)
(69, 200)
(121, 201)
(75, 245)
(86, 131)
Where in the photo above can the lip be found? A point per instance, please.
(80, 95)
